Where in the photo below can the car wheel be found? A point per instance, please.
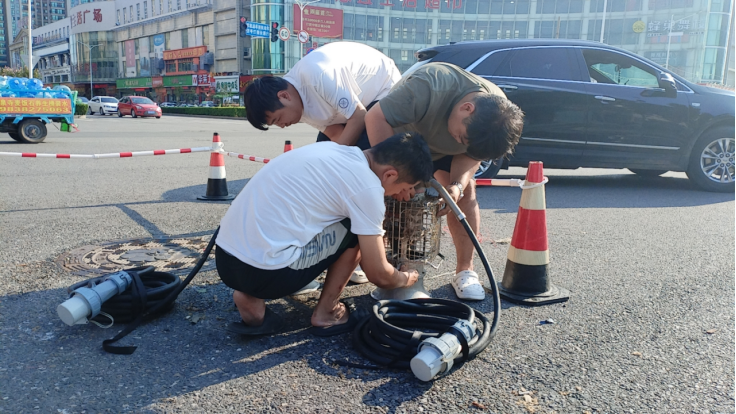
(120, 113)
(102, 112)
(158, 117)
(91, 112)
(32, 131)
(712, 164)
(132, 113)
(489, 169)
(15, 136)
(647, 173)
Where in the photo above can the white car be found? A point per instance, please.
(103, 105)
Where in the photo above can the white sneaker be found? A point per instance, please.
(358, 276)
(313, 286)
(467, 286)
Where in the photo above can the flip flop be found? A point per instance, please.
(355, 316)
(272, 324)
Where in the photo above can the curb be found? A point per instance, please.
(207, 116)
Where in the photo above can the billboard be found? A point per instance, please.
(92, 17)
(145, 59)
(319, 21)
(159, 43)
(130, 71)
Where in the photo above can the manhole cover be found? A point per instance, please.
(176, 255)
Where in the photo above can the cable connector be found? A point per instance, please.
(437, 355)
(86, 303)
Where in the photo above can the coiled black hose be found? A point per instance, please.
(125, 307)
(391, 335)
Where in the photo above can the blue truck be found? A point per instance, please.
(25, 112)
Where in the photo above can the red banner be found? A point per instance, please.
(35, 106)
(319, 21)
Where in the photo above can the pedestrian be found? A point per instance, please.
(318, 207)
(464, 119)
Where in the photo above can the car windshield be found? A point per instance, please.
(109, 100)
(144, 101)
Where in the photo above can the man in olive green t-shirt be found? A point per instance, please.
(464, 119)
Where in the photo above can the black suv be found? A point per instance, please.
(587, 104)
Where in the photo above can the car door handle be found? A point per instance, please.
(508, 87)
(605, 98)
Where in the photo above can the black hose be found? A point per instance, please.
(391, 335)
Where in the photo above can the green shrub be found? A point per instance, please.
(81, 108)
(238, 112)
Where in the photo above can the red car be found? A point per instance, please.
(136, 106)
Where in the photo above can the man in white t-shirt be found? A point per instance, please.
(330, 89)
(315, 208)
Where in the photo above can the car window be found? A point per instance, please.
(616, 68)
(143, 101)
(109, 100)
(540, 63)
(490, 64)
(94, 99)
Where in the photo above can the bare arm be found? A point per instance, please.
(376, 125)
(333, 131)
(377, 268)
(349, 133)
(462, 170)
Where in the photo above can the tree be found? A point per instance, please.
(19, 72)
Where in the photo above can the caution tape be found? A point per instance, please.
(247, 157)
(498, 182)
(110, 155)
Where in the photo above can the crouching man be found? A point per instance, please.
(314, 208)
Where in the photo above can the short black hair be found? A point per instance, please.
(494, 128)
(261, 96)
(408, 153)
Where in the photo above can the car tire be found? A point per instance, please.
(647, 173)
(711, 165)
(31, 131)
(132, 113)
(15, 136)
(120, 113)
(91, 112)
(158, 117)
(102, 112)
(489, 169)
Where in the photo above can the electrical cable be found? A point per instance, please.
(391, 336)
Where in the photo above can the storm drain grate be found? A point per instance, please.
(176, 255)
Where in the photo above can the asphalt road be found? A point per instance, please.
(649, 263)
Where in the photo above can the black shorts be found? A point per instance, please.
(277, 283)
(362, 143)
(443, 163)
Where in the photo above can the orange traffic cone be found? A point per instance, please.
(287, 146)
(526, 278)
(216, 184)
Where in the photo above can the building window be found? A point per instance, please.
(138, 11)
(130, 18)
(160, 7)
(145, 9)
(167, 42)
(171, 66)
(206, 35)
(170, 8)
(184, 38)
(404, 55)
(186, 65)
(178, 4)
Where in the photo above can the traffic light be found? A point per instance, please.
(274, 31)
(243, 26)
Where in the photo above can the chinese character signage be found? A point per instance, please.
(134, 83)
(180, 80)
(92, 17)
(11, 106)
(190, 52)
(201, 80)
(258, 30)
(319, 21)
(130, 71)
(227, 84)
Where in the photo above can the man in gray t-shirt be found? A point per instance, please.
(464, 119)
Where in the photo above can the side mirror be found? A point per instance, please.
(667, 82)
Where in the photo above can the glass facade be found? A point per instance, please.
(695, 50)
(102, 49)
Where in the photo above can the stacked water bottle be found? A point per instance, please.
(11, 87)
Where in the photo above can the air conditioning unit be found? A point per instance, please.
(246, 53)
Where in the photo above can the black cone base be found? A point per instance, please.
(530, 285)
(216, 190)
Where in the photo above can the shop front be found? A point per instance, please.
(227, 90)
(135, 86)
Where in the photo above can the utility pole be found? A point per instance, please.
(30, 44)
(89, 48)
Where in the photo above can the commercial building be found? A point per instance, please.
(5, 35)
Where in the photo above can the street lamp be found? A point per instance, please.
(89, 48)
(302, 5)
(670, 34)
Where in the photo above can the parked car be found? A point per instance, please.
(167, 104)
(207, 104)
(587, 104)
(103, 105)
(136, 106)
(83, 100)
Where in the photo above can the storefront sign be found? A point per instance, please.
(190, 52)
(227, 84)
(134, 83)
(175, 81)
(319, 21)
(35, 106)
(157, 82)
(203, 79)
(92, 17)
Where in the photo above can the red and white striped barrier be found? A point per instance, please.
(248, 157)
(498, 182)
(111, 155)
